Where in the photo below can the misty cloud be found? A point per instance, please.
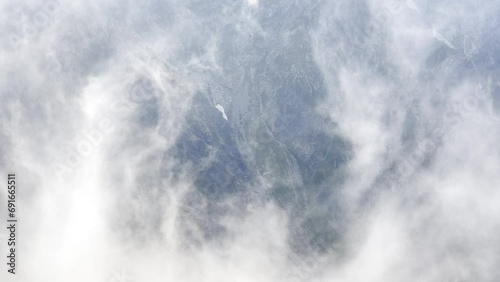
(252, 140)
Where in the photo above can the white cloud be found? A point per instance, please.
(109, 102)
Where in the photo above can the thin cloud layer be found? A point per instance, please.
(252, 140)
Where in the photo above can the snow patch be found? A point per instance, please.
(221, 109)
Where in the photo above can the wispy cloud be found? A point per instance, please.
(252, 140)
